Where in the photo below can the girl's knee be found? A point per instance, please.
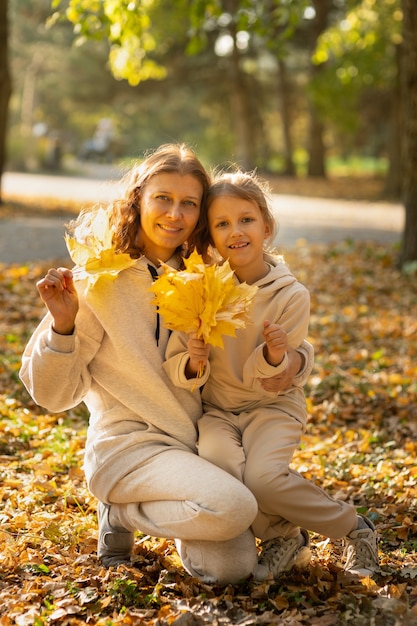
(268, 483)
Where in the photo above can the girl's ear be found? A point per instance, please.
(267, 231)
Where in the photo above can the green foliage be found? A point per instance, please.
(72, 89)
(359, 54)
(270, 23)
(135, 31)
(152, 68)
(125, 591)
(57, 86)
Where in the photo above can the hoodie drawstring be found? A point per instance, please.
(155, 275)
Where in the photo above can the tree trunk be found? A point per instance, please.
(286, 118)
(5, 84)
(316, 148)
(394, 174)
(245, 140)
(409, 98)
(317, 152)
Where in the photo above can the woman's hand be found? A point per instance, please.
(58, 292)
(283, 381)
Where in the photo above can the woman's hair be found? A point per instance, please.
(236, 184)
(125, 212)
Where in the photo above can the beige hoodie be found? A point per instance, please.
(231, 380)
(113, 364)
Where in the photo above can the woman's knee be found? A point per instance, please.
(229, 502)
(225, 562)
(240, 509)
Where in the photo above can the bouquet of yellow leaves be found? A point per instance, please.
(91, 248)
(205, 299)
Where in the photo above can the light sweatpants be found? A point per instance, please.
(178, 495)
(257, 447)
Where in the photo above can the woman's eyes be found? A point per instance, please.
(165, 198)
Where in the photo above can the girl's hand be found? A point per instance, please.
(199, 354)
(58, 292)
(276, 343)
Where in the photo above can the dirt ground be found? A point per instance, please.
(346, 188)
(342, 188)
(32, 225)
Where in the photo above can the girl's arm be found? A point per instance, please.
(293, 319)
(198, 353)
(178, 364)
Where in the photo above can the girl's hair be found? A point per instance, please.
(236, 184)
(125, 212)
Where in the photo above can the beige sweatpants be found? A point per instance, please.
(257, 448)
(178, 495)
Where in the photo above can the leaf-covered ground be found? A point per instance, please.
(360, 445)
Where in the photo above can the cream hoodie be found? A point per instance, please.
(113, 365)
(231, 379)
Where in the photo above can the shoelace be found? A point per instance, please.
(276, 549)
(359, 555)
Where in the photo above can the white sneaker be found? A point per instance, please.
(280, 555)
(361, 550)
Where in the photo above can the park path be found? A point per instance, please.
(26, 238)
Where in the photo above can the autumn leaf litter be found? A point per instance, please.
(360, 445)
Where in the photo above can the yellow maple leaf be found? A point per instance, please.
(205, 299)
(91, 248)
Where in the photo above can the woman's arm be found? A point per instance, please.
(55, 362)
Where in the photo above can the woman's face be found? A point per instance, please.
(169, 212)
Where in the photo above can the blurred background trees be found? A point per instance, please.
(284, 86)
(291, 87)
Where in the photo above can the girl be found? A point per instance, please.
(248, 429)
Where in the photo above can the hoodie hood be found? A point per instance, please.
(277, 278)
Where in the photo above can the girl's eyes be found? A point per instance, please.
(244, 220)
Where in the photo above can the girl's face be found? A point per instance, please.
(169, 212)
(238, 231)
